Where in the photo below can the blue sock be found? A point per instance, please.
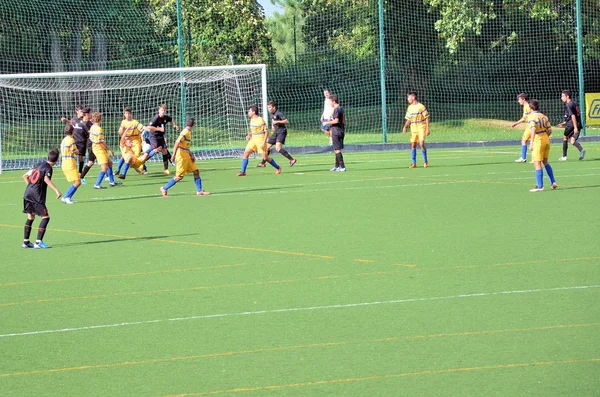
(539, 177)
(198, 184)
(413, 155)
(274, 164)
(244, 164)
(120, 165)
(111, 177)
(550, 173)
(71, 191)
(101, 176)
(524, 152)
(424, 153)
(150, 151)
(170, 184)
(126, 169)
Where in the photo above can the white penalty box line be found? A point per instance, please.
(299, 309)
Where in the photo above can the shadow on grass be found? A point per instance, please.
(117, 240)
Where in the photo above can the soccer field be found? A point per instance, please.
(453, 280)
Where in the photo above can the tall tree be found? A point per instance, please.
(286, 31)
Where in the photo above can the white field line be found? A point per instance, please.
(299, 309)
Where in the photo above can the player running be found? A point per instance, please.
(186, 162)
(279, 123)
(257, 141)
(34, 201)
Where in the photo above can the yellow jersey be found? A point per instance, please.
(540, 125)
(258, 128)
(417, 114)
(132, 128)
(96, 134)
(67, 151)
(526, 113)
(185, 141)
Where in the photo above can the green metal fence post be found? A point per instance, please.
(580, 66)
(382, 72)
(180, 49)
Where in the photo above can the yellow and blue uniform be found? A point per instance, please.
(526, 113)
(128, 155)
(540, 126)
(97, 137)
(67, 151)
(183, 158)
(258, 129)
(417, 114)
(133, 129)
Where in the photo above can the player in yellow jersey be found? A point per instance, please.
(539, 136)
(68, 150)
(131, 160)
(134, 130)
(257, 141)
(522, 99)
(417, 117)
(101, 150)
(185, 161)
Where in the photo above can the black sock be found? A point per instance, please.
(27, 233)
(42, 228)
(166, 161)
(80, 166)
(565, 147)
(339, 159)
(285, 154)
(85, 171)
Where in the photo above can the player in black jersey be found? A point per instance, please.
(572, 125)
(34, 201)
(157, 132)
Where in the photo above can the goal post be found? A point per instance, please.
(31, 106)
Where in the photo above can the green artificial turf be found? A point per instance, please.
(453, 280)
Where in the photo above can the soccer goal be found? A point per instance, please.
(32, 105)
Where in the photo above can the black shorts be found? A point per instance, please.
(91, 155)
(277, 137)
(158, 142)
(570, 131)
(29, 207)
(338, 141)
(81, 147)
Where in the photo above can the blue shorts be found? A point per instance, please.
(325, 127)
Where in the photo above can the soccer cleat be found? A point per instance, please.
(341, 169)
(163, 191)
(41, 245)
(520, 160)
(536, 189)
(554, 186)
(120, 176)
(260, 165)
(83, 182)
(334, 169)
(563, 158)
(115, 184)
(27, 244)
(241, 174)
(292, 162)
(202, 193)
(144, 172)
(278, 171)
(67, 200)
(412, 166)
(582, 154)
(166, 172)
(426, 164)
(99, 187)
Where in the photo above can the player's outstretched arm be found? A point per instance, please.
(405, 126)
(51, 184)
(175, 126)
(175, 149)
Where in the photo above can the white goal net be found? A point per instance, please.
(31, 106)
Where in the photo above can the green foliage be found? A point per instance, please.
(286, 31)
